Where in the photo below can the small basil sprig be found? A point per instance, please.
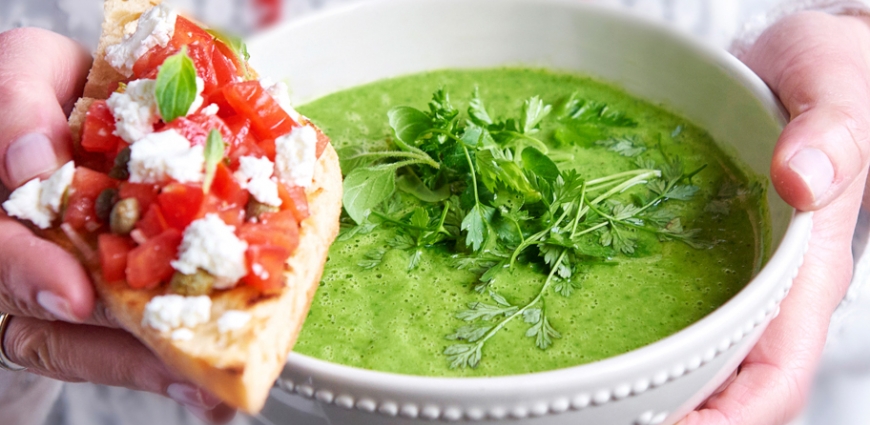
(176, 86)
(214, 153)
(237, 46)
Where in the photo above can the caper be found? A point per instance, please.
(256, 208)
(125, 214)
(119, 170)
(104, 204)
(199, 283)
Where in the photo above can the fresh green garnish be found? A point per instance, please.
(489, 190)
(214, 153)
(237, 46)
(176, 86)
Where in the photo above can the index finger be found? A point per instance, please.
(41, 76)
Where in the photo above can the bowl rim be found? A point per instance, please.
(792, 244)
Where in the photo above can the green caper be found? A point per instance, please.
(199, 283)
(124, 216)
(104, 204)
(256, 208)
(119, 170)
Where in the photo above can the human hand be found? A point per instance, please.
(819, 66)
(58, 328)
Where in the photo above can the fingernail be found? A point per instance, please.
(29, 156)
(815, 169)
(191, 396)
(57, 306)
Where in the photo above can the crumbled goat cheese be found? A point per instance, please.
(296, 156)
(212, 109)
(233, 320)
(135, 110)
(40, 202)
(212, 245)
(281, 93)
(182, 334)
(255, 174)
(168, 312)
(155, 28)
(164, 155)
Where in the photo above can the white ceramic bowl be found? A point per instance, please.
(656, 384)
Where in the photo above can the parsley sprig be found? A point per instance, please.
(490, 191)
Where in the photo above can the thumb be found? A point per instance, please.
(41, 76)
(819, 66)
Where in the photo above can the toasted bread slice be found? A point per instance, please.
(239, 366)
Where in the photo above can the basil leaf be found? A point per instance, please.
(214, 153)
(176, 86)
(366, 188)
(540, 164)
(237, 46)
(411, 184)
(409, 124)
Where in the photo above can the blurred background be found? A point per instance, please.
(843, 386)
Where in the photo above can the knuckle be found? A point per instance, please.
(27, 343)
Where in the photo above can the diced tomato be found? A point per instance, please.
(212, 122)
(181, 204)
(293, 199)
(226, 188)
(322, 141)
(146, 194)
(282, 221)
(153, 222)
(217, 97)
(240, 128)
(247, 147)
(99, 128)
(225, 68)
(86, 187)
(231, 214)
(150, 263)
(250, 100)
(265, 234)
(189, 129)
(200, 49)
(113, 255)
(266, 266)
(268, 147)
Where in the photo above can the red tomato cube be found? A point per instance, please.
(113, 255)
(226, 188)
(181, 204)
(294, 199)
(153, 223)
(98, 133)
(149, 264)
(146, 194)
(266, 266)
(251, 101)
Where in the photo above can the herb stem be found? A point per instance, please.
(426, 159)
(639, 179)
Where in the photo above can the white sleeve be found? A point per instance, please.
(758, 24)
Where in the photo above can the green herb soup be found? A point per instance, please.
(428, 287)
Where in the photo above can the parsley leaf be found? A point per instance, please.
(623, 145)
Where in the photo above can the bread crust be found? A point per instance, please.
(239, 366)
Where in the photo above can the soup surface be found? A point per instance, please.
(387, 316)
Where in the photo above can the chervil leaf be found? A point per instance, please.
(372, 259)
(623, 146)
(682, 192)
(483, 311)
(464, 355)
(543, 333)
(534, 111)
(477, 111)
(470, 333)
(175, 89)
(475, 224)
(597, 113)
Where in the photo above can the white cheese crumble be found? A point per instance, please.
(155, 28)
(164, 155)
(40, 202)
(281, 93)
(212, 109)
(182, 334)
(233, 320)
(296, 156)
(255, 174)
(212, 245)
(198, 100)
(168, 312)
(135, 110)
